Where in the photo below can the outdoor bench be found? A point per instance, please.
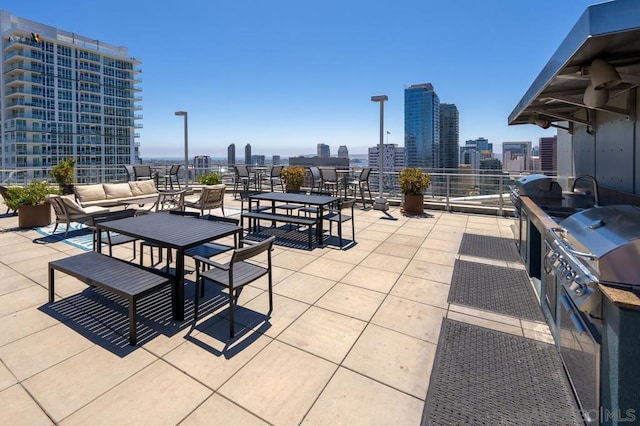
(124, 279)
(275, 217)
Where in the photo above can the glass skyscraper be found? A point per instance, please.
(421, 126)
(449, 136)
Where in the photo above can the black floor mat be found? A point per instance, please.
(487, 377)
(494, 288)
(489, 247)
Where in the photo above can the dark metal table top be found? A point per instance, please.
(286, 197)
(171, 230)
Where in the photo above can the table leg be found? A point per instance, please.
(178, 296)
(99, 240)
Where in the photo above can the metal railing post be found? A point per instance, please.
(448, 206)
(500, 198)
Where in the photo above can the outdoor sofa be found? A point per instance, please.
(114, 194)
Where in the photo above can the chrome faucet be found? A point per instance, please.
(596, 193)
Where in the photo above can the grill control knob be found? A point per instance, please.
(570, 275)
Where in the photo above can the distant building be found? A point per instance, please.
(343, 151)
(317, 161)
(421, 126)
(201, 164)
(449, 137)
(258, 160)
(516, 156)
(549, 154)
(394, 161)
(275, 160)
(231, 154)
(324, 151)
(247, 154)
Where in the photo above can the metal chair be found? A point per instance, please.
(235, 274)
(112, 240)
(67, 211)
(336, 215)
(151, 244)
(142, 172)
(173, 176)
(242, 176)
(211, 197)
(211, 249)
(316, 178)
(166, 201)
(130, 173)
(275, 179)
(361, 184)
(330, 180)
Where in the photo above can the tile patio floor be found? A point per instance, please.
(351, 339)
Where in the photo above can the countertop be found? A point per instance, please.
(542, 221)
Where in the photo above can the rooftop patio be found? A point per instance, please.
(351, 340)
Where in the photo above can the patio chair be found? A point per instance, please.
(330, 180)
(143, 173)
(166, 201)
(211, 197)
(172, 176)
(237, 273)
(67, 211)
(131, 174)
(242, 177)
(3, 193)
(152, 244)
(316, 178)
(112, 240)
(336, 215)
(361, 184)
(274, 178)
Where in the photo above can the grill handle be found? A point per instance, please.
(560, 240)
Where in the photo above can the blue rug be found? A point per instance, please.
(80, 236)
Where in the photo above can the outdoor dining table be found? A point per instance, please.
(173, 232)
(320, 201)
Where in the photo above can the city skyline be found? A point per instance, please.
(285, 76)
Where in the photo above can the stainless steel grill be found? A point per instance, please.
(541, 188)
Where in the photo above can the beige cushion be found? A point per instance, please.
(143, 187)
(117, 190)
(89, 192)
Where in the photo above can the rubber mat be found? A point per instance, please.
(487, 377)
(489, 247)
(494, 288)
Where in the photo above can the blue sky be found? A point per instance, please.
(286, 75)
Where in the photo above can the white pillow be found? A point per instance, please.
(117, 190)
(86, 193)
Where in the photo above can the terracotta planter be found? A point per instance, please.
(413, 204)
(34, 216)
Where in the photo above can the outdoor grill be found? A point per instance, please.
(595, 246)
(540, 188)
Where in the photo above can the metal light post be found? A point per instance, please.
(381, 203)
(186, 149)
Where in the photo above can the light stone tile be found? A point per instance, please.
(353, 399)
(66, 285)
(159, 394)
(255, 314)
(420, 290)
(430, 271)
(481, 322)
(372, 279)
(24, 323)
(540, 327)
(364, 244)
(396, 250)
(324, 333)
(385, 262)
(292, 260)
(370, 234)
(400, 361)
(303, 287)
(213, 357)
(6, 378)
(19, 409)
(484, 260)
(354, 255)
(444, 245)
(68, 386)
(421, 230)
(452, 228)
(436, 256)
(12, 281)
(492, 316)
(22, 299)
(280, 384)
(327, 268)
(33, 354)
(221, 412)
(446, 236)
(353, 301)
(409, 317)
(408, 240)
(277, 275)
(39, 274)
(536, 335)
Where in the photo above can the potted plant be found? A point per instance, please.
(209, 179)
(413, 182)
(293, 177)
(63, 174)
(31, 202)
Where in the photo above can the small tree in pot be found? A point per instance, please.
(413, 182)
(63, 174)
(293, 177)
(31, 202)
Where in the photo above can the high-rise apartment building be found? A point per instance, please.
(201, 164)
(247, 154)
(66, 95)
(231, 154)
(343, 151)
(516, 156)
(394, 161)
(421, 126)
(548, 148)
(275, 160)
(449, 136)
(258, 160)
(324, 151)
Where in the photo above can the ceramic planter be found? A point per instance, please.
(34, 216)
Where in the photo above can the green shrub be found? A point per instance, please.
(293, 176)
(209, 179)
(33, 194)
(64, 171)
(414, 181)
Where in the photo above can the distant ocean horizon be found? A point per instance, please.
(361, 157)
